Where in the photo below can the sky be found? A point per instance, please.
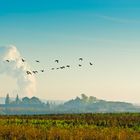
(105, 32)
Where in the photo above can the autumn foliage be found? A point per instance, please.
(71, 127)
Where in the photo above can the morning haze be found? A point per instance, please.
(103, 33)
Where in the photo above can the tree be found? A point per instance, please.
(92, 99)
(84, 97)
(48, 105)
(17, 100)
(7, 100)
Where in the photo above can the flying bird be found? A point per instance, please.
(42, 70)
(52, 68)
(90, 63)
(28, 72)
(62, 67)
(81, 59)
(7, 60)
(23, 60)
(37, 61)
(35, 72)
(57, 61)
(68, 66)
(80, 65)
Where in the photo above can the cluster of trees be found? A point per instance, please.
(91, 104)
(83, 104)
(25, 100)
(24, 106)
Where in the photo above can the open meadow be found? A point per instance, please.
(124, 126)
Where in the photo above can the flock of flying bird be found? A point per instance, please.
(56, 61)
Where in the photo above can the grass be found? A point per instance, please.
(124, 126)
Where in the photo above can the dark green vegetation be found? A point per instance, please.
(84, 104)
(124, 126)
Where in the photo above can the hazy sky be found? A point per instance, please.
(105, 32)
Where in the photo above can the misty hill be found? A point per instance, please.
(33, 100)
(24, 103)
(23, 106)
(83, 104)
(2, 100)
(92, 104)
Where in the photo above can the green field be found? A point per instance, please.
(71, 127)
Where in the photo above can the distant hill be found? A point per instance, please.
(2, 100)
(83, 104)
(92, 104)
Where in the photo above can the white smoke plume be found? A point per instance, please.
(17, 69)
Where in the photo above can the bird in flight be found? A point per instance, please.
(42, 70)
(52, 68)
(23, 60)
(62, 67)
(68, 66)
(35, 72)
(90, 63)
(81, 59)
(57, 61)
(80, 65)
(28, 72)
(37, 61)
(7, 60)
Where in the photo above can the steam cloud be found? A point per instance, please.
(17, 69)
